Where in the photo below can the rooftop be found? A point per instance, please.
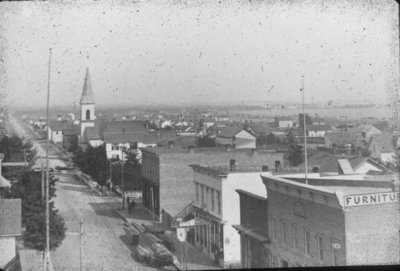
(224, 170)
(10, 217)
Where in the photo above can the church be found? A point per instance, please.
(115, 134)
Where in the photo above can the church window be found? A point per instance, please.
(88, 114)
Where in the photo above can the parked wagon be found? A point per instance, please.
(132, 234)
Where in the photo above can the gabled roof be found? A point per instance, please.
(87, 93)
(10, 217)
(160, 137)
(260, 129)
(120, 127)
(383, 142)
(71, 131)
(228, 131)
(363, 128)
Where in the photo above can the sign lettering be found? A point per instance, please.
(370, 199)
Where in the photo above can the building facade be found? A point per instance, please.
(331, 224)
(217, 205)
(167, 179)
(253, 230)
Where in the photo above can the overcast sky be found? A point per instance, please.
(140, 53)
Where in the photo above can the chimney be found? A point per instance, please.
(1, 161)
(232, 164)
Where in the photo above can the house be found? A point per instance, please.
(259, 129)
(167, 179)
(366, 130)
(239, 138)
(381, 147)
(253, 229)
(57, 130)
(10, 229)
(208, 122)
(166, 123)
(318, 130)
(344, 140)
(284, 122)
(4, 183)
(331, 222)
(217, 205)
(328, 163)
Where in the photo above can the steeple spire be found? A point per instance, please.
(87, 94)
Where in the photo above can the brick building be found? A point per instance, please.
(167, 180)
(253, 229)
(331, 222)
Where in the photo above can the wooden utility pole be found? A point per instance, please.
(304, 131)
(81, 244)
(42, 182)
(47, 254)
(110, 180)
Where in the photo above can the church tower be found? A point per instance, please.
(87, 104)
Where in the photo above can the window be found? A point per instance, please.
(197, 193)
(88, 114)
(274, 228)
(335, 247)
(320, 248)
(294, 236)
(306, 241)
(212, 199)
(202, 194)
(219, 202)
(283, 231)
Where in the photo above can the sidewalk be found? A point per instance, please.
(196, 260)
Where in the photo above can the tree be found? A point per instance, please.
(301, 121)
(271, 139)
(294, 155)
(28, 189)
(98, 164)
(290, 138)
(94, 162)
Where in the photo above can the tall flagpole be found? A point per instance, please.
(304, 130)
(47, 255)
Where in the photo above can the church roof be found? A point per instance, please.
(87, 93)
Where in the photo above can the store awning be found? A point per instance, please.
(243, 230)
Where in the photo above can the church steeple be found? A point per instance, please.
(87, 93)
(88, 116)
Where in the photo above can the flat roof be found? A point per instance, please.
(240, 191)
(338, 191)
(224, 170)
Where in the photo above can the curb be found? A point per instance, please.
(121, 216)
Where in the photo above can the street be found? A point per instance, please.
(104, 244)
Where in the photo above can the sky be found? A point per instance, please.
(208, 52)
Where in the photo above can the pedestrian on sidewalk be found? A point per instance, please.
(131, 206)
